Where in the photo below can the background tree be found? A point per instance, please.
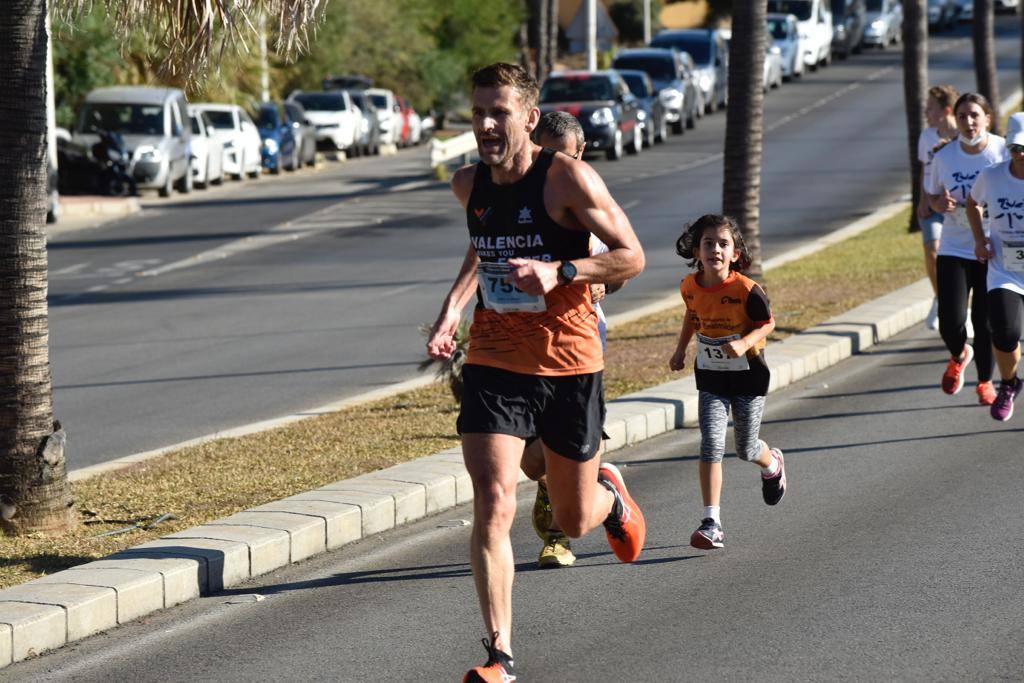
(539, 38)
(741, 192)
(552, 50)
(985, 57)
(915, 88)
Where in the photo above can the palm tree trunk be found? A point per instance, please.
(33, 478)
(915, 87)
(539, 37)
(985, 56)
(741, 190)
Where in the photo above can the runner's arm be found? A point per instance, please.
(974, 216)
(738, 347)
(678, 360)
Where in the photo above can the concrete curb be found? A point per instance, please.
(69, 605)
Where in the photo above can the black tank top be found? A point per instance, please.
(510, 221)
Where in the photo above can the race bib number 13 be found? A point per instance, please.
(503, 297)
(1013, 256)
(711, 356)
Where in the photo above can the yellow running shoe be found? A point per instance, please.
(556, 553)
(542, 515)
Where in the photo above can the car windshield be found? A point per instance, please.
(799, 8)
(580, 89)
(636, 84)
(699, 46)
(659, 68)
(321, 101)
(874, 5)
(130, 119)
(379, 101)
(221, 119)
(268, 118)
(778, 28)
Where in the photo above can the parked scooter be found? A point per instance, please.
(105, 169)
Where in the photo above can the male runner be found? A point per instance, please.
(560, 131)
(534, 365)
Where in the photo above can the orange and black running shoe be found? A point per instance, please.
(625, 525)
(498, 668)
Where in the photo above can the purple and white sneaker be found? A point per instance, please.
(1002, 409)
(773, 487)
(708, 536)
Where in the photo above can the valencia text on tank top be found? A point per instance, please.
(555, 334)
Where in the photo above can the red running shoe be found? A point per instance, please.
(953, 377)
(986, 393)
(625, 525)
(498, 668)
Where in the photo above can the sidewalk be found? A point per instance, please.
(66, 606)
(87, 211)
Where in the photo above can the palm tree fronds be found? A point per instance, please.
(196, 33)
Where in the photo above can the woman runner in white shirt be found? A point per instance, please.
(954, 170)
(1000, 188)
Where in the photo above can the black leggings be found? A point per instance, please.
(1005, 310)
(956, 278)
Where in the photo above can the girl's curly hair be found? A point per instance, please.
(689, 241)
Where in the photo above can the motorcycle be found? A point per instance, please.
(104, 169)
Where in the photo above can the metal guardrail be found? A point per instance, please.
(443, 151)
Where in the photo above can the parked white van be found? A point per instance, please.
(814, 19)
(155, 127)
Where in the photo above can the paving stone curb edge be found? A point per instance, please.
(52, 611)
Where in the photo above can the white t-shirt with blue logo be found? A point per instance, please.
(1003, 194)
(955, 170)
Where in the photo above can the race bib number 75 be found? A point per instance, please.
(502, 296)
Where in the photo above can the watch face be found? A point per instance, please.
(568, 271)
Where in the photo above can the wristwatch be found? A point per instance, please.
(566, 272)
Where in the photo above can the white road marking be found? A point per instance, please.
(70, 270)
(630, 204)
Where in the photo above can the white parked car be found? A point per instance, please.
(390, 121)
(883, 22)
(814, 21)
(785, 35)
(772, 66)
(207, 151)
(338, 121)
(239, 136)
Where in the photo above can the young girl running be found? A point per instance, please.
(731, 317)
(941, 129)
(954, 170)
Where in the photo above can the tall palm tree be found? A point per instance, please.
(552, 51)
(741, 191)
(915, 86)
(985, 56)
(34, 494)
(539, 37)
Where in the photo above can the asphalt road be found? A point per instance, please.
(253, 301)
(894, 556)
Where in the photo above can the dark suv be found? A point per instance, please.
(848, 24)
(675, 83)
(606, 109)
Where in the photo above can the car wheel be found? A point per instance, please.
(638, 142)
(615, 151)
(168, 186)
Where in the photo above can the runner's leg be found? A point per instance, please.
(977, 274)
(951, 276)
(713, 416)
(493, 464)
(579, 503)
(1006, 312)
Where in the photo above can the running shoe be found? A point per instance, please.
(498, 668)
(986, 393)
(708, 536)
(542, 515)
(932, 322)
(625, 525)
(557, 552)
(773, 487)
(1009, 390)
(953, 377)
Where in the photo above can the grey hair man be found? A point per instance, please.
(560, 131)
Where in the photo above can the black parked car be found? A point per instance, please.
(654, 123)
(601, 101)
(673, 77)
(710, 53)
(848, 24)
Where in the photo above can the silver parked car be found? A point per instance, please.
(207, 151)
(772, 65)
(304, 132)
(155, 127)
(785, 35)
(884, 23)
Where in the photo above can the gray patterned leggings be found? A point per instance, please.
(713, 414)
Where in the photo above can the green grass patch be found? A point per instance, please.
(219, 478)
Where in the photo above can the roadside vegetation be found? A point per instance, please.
(219, 478)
